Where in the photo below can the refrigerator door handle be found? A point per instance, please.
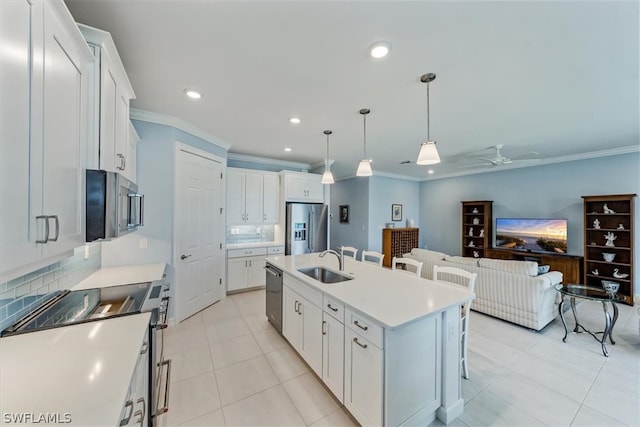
(310, 232)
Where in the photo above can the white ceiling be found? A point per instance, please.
(556, 77)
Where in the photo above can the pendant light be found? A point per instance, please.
(327, 176)
(428, 154)
(364, 167)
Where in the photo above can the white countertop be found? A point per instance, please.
(123, 275)
(83, 370)
(392, 298)
(253, 245)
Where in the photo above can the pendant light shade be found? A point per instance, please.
(327, 176)
(428, 154)
(364, 167)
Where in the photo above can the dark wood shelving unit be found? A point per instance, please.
(477, 216)
(597, 225)
(397, 242)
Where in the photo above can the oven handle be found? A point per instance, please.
(165, 408)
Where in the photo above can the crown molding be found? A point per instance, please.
(284, 164)
(531, 163)
(165, 119)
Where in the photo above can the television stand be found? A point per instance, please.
(571, 266)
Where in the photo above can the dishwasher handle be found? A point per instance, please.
(274, 272)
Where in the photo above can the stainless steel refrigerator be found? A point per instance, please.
(306, 228)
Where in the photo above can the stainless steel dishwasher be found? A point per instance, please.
(274, 296)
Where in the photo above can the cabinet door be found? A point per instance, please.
(333, 355)
(255, 272)
(142, 404)
(311, 349)
(66, 69)
(296, 188)
(363, 379)
(17, 246)
(108, 115)
(291, 318)
(235, 197)
(271, 199)
(236, 273)
(131, 171)
(253, 198)
(122, 132)
(315, 188)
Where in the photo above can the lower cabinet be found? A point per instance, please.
(137, 404)
(245, 271)
(333, 355)
(302, 326)
(363, 378)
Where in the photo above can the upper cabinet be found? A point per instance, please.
(252, 197)
(109, 107)
(43, 81)
(302, 187)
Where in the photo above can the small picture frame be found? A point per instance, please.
(396, 212)
(344, 213)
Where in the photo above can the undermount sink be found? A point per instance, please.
(323, 275)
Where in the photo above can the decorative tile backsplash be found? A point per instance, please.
(20, 295)
(250, 233)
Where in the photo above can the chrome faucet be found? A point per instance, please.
(339, 255)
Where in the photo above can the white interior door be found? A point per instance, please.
(199, 254)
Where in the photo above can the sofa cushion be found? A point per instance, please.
(425, 253)
(542, 269)
(528, 268)
(462, 260)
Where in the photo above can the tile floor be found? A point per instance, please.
(231, 368)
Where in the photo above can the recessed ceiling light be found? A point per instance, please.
(379, 49)
(430, 171)
(287, 149)
(193, 94)
(294, 120)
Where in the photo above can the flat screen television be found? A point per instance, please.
(532, 234)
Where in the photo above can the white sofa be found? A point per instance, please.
(509, 290)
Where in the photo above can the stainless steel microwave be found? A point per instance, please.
(114, 206)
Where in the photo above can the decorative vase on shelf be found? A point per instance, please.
(476, 221)
(475, 210)
(596, 223)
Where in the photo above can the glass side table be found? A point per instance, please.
(592, 294)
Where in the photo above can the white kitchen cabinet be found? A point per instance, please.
(137, 402)
(306, 336)
(333, 355)
(44, 82)
(109, 107)
(303, 187)
(131, 171)
(363, 378)
(245, 268)
(252, 197)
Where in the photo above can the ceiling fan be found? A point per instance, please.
(500, 160)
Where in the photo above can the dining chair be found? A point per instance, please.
(349, 250)
(404, 263)
(372, 257)
(458, 277)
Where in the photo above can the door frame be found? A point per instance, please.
(180, 146)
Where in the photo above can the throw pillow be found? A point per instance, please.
(542, 269)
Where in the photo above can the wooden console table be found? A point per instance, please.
(398, 241)
(571, 266)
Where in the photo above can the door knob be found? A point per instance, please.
(183, 256)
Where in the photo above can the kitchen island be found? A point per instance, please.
(386, 343)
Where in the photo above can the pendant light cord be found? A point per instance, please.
(428, 115)
(327, 166)
(364, 116)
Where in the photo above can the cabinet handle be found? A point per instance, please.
(264, 217)
(124, 163)
(145, 347)
(364, 328)
(331, 307)
(295, 306)
(55, 239)
(250, 265)
(142, 411)
(300, 309)
(121, 157)
(46, 228)
(125, 420)
(324, 322)
(355, 340)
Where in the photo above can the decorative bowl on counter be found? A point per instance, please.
(610, 286)
(608, 257)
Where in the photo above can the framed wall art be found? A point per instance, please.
(396, 212)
